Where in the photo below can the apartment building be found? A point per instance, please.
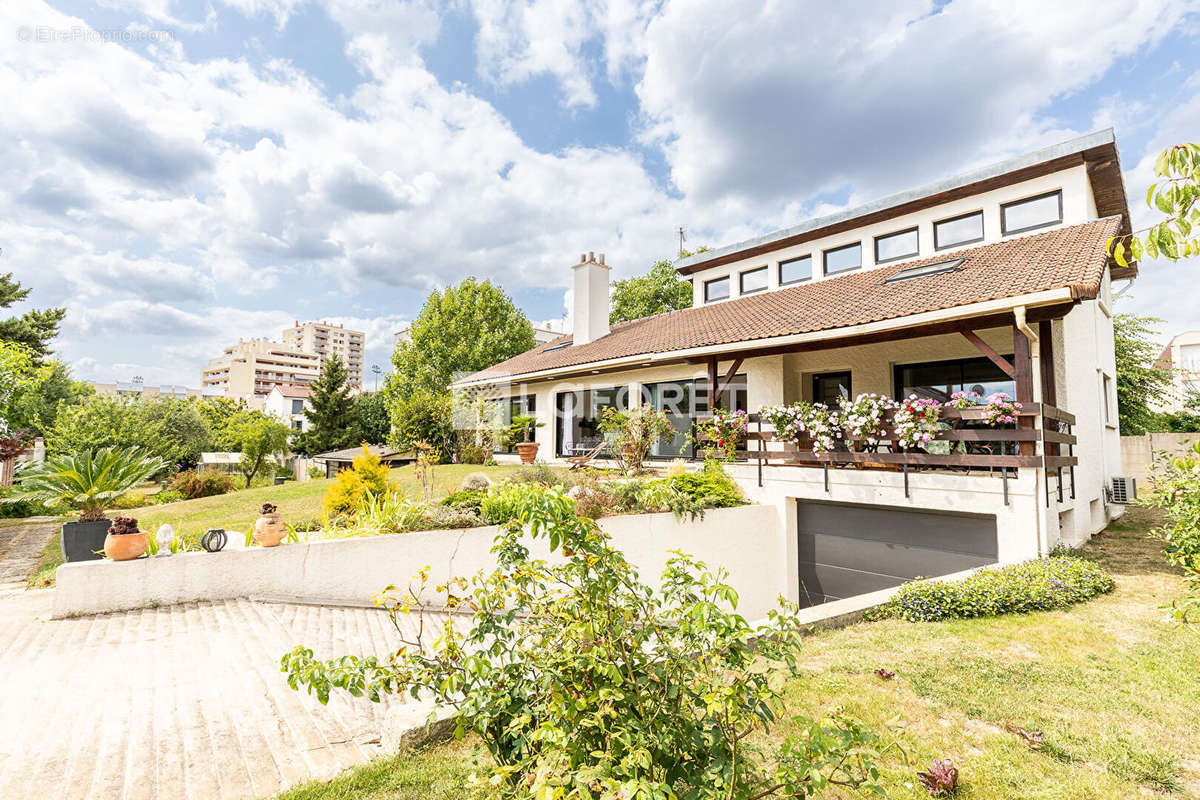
(250, 369)
(136, 387)
(325, 339)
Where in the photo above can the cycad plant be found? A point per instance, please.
(89, 480)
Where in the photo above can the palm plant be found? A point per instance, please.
(89, 480)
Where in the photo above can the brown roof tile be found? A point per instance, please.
(1071, 257)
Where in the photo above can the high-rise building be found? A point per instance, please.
(324, 340)
(250, 369)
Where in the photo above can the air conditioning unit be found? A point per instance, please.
(1124, 490)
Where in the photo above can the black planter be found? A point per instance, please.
(84, 541)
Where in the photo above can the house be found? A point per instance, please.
(994, 281)
(288, 403)
(1182, 357)
(338, 460)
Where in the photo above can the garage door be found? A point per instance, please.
(849, 549)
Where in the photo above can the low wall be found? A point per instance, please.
(748, 541)
(1137, 453)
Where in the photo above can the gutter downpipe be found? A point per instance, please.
(1035, 365)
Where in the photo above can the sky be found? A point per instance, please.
(180, 174)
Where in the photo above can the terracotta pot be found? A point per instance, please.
(527, 451)
(269, 530)
(125, 546)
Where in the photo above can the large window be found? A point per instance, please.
(505, 410)
(963, 229)
(752, 280)
(685, 400)
(894, 246)
(1031, 213)
(795, 270)
(843, 259)
(940, 379)
(831, 388)
(716, 289)
(577, 417)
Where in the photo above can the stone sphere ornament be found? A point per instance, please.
(214, 540)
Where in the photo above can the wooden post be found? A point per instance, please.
(1023, 366)
(1049, 387)
(712, 384)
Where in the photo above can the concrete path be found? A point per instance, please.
(20, 547)
(183, 702)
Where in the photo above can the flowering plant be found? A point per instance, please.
(863, 418)
(1000, 409)
(722, 433)
(916, 420)
(962, 400)
(805, 420)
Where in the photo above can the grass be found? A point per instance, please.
(1111, 683)
(296, 501)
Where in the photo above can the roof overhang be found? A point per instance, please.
(1097, 151)
(883, 329)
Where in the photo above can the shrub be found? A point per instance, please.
(711, 487)
(315, 472)
(88, 480)
(635, 432)
(191, 484)
(465, 499)
(537, 473)
(503, 502)
(353, 488)
(595, 499)
(583, 682)
(1040, 585)
(442, 517)
(1175, 483)
(129, 500)
(166, 496)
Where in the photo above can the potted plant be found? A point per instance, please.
(636, 431)
(124, 541)
(87, 481)
(520, 435)
(269, 529)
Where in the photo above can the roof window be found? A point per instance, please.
(924, 270)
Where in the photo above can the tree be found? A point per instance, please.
(20, 379)
(58, 390)
(465, 328)
(329, 410)
(35, 328)
(1139, 377)
(217, 411)
(259, 437)
(1186, 420)
(422, 416)
(371, 423)
(171, 429)
(658, 291)
(1178, 196)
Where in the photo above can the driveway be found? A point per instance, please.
(177, 702)
(21, 545)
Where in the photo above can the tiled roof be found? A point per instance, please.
(293, 391)
(1069, 257)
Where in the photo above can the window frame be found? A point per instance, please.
(898, 369)
(914, 229)
(764, 269)
(728, 292)
(1004, 231)
(779, 269)
(834, 374)
(982, 229)
(825, 258)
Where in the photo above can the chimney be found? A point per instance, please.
(591, 299)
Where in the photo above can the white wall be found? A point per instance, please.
(746, 540)
(1078, 206)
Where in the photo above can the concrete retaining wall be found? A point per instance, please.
(748, 541)
(1137, 453)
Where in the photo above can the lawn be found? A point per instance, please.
(1112, 684)
(297, 502)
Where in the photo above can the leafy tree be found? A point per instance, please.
(259, 437)
(1186, 420)
(1139, 378)
(20, 380)
(34, 329)
(371, 423)
(329, 411)
(1178, 196)
(217, 411)
(464, 328)
(59, 389)
(658, 291)
(422, 416)
(169, 428)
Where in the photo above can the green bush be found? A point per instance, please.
(711, 487)
(465, 499)
(503, 502)
(167, 496)
(1041, 585)
(191, 484)
(537, 473)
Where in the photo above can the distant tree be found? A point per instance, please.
(258, 437)
(21, 378)
(1186, 420)
(422, 417)
(464, 328)
(329, 411)
(1178, 196)
(1139, 376)
(371, 423)
(35, 328)
(217, 412)
(658, 291)
(170, 428)
(58, 389)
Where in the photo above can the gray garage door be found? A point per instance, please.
(852, 549)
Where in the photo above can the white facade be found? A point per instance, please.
(1182, 357)
(288, 403)
(250, 369)
(326, 340)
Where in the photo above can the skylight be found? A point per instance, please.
(556, 347)
(924, 271)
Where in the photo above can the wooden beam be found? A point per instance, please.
(724, 384)
(1049, 387)
(1023, 362)
(997, 359)
(712, 384)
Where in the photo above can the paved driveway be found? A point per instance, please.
(179, 702)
